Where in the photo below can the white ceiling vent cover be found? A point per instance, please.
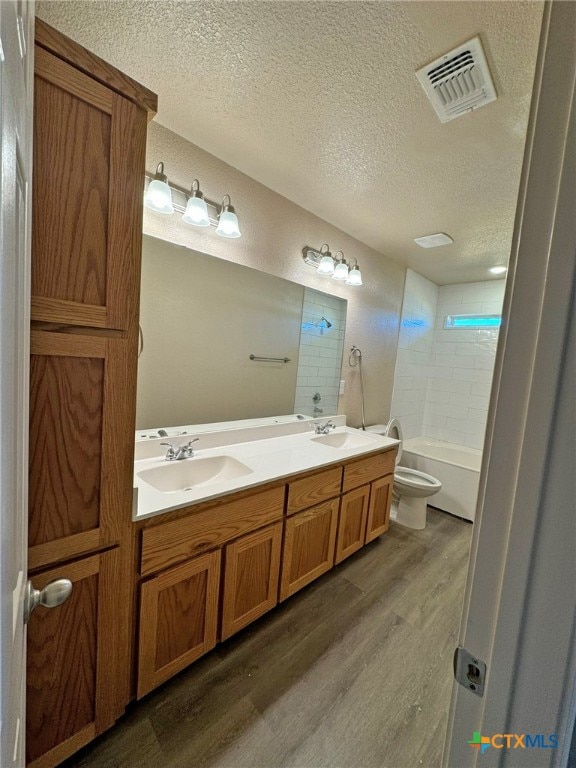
(459, 81)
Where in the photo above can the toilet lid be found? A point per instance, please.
(394, 430)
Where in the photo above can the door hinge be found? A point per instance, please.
(469, 671)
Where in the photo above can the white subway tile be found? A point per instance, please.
(479, 416)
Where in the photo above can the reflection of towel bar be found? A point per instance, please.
(270, 359)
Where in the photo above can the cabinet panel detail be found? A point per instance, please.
(70, 195)
(251, 572)
(314, 489)
(371, 468)
(66, 402)
(352, 522)
(178, 619)
(309, 540)
(70, 662)
(170, 543)
(379, 509)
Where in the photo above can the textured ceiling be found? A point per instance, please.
(319, 101)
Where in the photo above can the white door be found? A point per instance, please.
(16, 71)
(520, 607)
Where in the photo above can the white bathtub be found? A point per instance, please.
(456, 466)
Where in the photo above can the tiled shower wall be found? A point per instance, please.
(320, 358)
(457, 364)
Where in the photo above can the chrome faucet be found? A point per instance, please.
(324, 429)
(179, 452)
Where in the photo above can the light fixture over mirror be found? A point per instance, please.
(354, 274)
(158, 196)
(341, 268)
(227, 220)
(196, 212)
(163, 196)
(326, 265)
(332, 266)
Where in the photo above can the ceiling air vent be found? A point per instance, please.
(459, 81)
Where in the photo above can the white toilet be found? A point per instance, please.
(410, 486)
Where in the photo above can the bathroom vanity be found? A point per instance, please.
(205, 570)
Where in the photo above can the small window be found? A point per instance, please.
(472, 321)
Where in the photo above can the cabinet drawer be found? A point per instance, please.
(174, 542)
(366, 470)
(314, 489)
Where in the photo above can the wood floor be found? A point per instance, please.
(353, 672)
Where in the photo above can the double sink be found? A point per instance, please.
(200, 471)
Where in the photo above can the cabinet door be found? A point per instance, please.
(251, 572)
(73, 661)
(309, 539)
(352, 522)
(81, 445)
(178, 619)
(379, 509)
(89, 147)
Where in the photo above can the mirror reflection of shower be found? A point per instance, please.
(355, 361)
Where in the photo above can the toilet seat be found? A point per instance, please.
(413, 478)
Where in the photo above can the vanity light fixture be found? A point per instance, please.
(158, 196)
(332, 266)
(163, 196)
(227, 220)
(498, 270)
(196, 212)
(341, 268)
(326, 263)
(354, 275)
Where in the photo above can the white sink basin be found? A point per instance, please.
(344, 440)
(190, 473)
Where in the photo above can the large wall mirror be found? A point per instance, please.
(202, 318)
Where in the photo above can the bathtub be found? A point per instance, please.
(456, 466)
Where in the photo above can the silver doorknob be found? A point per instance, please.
(55, 593)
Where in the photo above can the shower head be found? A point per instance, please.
(325, 323)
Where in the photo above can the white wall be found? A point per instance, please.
(460, 374)
(443, 377)
(415, 350)
(320, 357)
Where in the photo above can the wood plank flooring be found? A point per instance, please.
(355, 671)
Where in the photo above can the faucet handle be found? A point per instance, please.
(170, 452)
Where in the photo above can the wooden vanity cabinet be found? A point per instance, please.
(352, 522)
(379, 507)
(90, 124)
(251, 574)
(178, 619)
(71, 686)
(309, 539)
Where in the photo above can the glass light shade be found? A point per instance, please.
(326, 266)
(158, 197)
(196, 212)
(498, 270)
(228, 225)
(340, 271)
(354, 277)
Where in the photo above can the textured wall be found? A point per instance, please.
(274, 231)
(461, 372)
(414, 353)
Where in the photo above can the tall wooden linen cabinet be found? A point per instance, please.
(89, 153)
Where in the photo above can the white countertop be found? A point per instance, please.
(267, 456)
